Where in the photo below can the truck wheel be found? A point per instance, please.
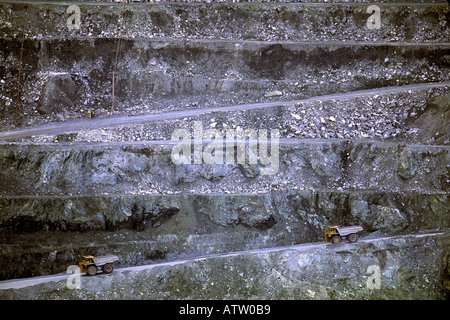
(352, 237)
(335, 239)
(91, 270)
(108, 268)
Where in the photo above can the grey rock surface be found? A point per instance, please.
(362, 117)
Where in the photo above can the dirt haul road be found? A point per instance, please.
(70, 126)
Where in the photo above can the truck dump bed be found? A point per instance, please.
(99, 261)
(343, 231)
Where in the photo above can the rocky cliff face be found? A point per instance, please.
(355, 146)
(187, 55)
(149, 169)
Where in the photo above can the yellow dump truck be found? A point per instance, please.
(91, 264)
(335, 234)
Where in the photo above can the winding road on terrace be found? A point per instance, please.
(70, 126)
(27, 282)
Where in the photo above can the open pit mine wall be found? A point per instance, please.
(400, 268)
(178, 52)
(48, 170)
(208, 52)
(210, 208)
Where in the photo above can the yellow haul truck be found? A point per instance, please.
(335, 234)
(91, 264)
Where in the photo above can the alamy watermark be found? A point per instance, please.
(74, 20)
(234, 146)
(74, 280)
(374, 279)
(374, 21)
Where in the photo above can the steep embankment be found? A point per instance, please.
(184, 55)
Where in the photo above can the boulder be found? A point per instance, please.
(58, 94)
